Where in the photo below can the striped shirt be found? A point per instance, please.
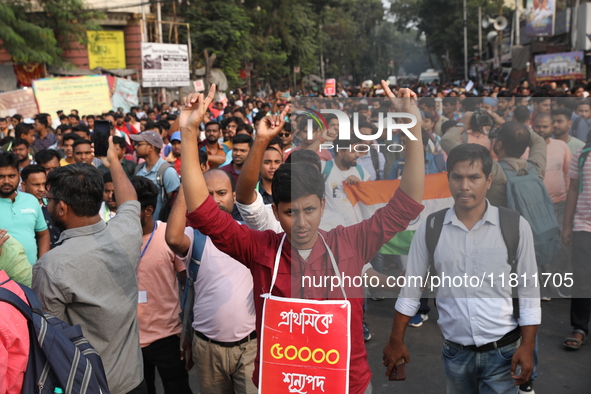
(582, 220)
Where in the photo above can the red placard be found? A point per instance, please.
(305, 346)
(199, 85)
(330, 87)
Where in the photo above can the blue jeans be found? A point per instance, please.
(470, 372)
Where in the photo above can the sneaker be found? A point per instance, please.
(527, 388)
(366, 332)
(417, 320)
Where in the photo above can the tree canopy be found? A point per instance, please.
(39, 35)
(353, 38)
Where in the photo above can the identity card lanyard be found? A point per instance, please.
(150, 240)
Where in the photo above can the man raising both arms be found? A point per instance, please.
(298, 204)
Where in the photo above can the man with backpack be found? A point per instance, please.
(514, 138)
(224, 337)
(147, 146)
(480, 353)
(89, 278)
(370, 158)
(158, 308)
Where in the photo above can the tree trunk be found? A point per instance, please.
(209, 60)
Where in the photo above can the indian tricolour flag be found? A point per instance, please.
(373, 195)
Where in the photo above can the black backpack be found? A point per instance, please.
(59, 355)
(509, 228)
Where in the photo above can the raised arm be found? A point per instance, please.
(413, 175)
(176, 238)
(43, 242)
(191, 116)
(269, 127)
(124, 190)
(537, 153)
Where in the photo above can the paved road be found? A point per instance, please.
(560, 371)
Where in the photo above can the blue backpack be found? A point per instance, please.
(188, 298)
(527, 195)
(59, 355)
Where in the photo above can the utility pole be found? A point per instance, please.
(465, 43)
(480, 33)
(500, 45)
(479, 68)
(517, 24)
(321, 57)
(159, 16)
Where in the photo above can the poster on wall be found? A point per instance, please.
(88, 94)
(540, 16)
(559, 66)
(165, 65)
(20, 102)
(125, 94)
(106, 49)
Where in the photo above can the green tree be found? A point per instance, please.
(441, 22)
(223, 28)
(38, 32)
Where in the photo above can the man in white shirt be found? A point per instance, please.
(109, 205)
(370, 158)
(343, 169)
(481, 349)
(224, 340)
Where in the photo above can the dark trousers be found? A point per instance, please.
(424, 308)
(580, 306)
(141, 389)
(165, 355)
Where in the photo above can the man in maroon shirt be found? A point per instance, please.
(240, 149)
(298, 195)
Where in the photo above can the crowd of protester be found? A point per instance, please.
(108, 242)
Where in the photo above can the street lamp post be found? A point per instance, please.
(465, 43)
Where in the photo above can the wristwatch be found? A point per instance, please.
(460, 125)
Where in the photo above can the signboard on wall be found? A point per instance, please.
(106, 49)
(165, 65)
(559, 66)
(20, 102)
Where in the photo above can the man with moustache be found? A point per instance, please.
(33, 182)
(89, 278)
(22, 151)
(242, 145)
(480, 352)
(216, 152)
(20, 212)
(224, 342)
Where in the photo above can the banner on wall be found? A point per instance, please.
(106, 49)
(27, 73)
(89, 94)
(20, 102)
(560, 66)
